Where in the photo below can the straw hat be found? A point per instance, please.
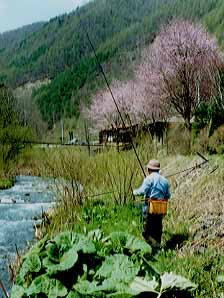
(153, 164)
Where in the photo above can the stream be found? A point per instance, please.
(20, 208)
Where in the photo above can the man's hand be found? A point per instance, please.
(135, 192)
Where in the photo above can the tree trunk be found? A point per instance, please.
(188, 126)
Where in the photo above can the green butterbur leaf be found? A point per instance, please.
(40, 248)
(66, 262)
(100, 268)
(63, 252)
(170, 281)
(53, 252)
(65, 240)
(123, 240)
(118, 267)
(85, 287)
(48, 286)
(85, 245)
(17, 292)
(73, 294)
(134, 244)
(220, 278)
(31, 264)
(140, 285)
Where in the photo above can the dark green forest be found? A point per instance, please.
(59, 50)
(10, 39)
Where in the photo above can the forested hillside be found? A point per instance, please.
(9, 39)
(60, 51)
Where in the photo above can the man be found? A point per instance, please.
(156, 187)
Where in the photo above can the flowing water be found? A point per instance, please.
(20, 208)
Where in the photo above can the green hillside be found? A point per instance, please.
(60, 51)
(10, 39)
(215, 21)
(9, 43)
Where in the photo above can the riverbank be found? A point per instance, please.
(6, 183)
(192, 243)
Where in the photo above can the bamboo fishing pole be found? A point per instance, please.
(112, 95)
(205, 161)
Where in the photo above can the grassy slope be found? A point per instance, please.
(193, 229)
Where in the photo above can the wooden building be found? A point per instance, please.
(124, 134)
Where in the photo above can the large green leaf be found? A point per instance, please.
(66, 262)
(113, 276)
(51, 287)
(117, 241)
(115, 286)
(85, 287)
(39, 248)
(62, 254)
(17, 292)
(73, 294)
(64, 240)
(135, 244)
(53, 252)
(67, 240)
(84, 244)
(140, 285)
(118, 268)
(93, 289)
(31, 264)
(123, 240)
(220, 278)
(170, 281)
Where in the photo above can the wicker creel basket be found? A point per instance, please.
(158, 206)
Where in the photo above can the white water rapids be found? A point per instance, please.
(20, 207)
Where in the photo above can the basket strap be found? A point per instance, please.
(157, 199)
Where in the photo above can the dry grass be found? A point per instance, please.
(198, 203)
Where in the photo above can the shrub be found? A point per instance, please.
(216, 142)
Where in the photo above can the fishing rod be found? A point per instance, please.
(112, 95)
(205, 160)
(168, 176)
(187, 170)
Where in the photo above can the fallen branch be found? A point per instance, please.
(3, 289)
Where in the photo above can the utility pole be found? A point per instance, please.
(62, 130)
(87, 137)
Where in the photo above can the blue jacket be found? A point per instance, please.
(154, 186)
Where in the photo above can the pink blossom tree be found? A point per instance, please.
(134, 103)
(103, 112)
(181, 68)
